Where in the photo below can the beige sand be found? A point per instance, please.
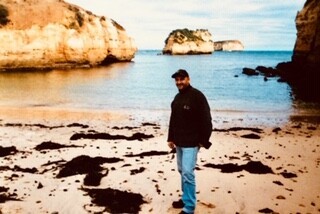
(292, 151)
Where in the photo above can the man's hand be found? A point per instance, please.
(171, 145)
(206, 146)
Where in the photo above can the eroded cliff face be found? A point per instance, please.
(302, 73)
(185, 41)
(228, 45)
(52, 33)
(307, 47)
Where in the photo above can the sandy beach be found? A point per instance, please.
(83, 161)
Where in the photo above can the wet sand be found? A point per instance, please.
(82, 161)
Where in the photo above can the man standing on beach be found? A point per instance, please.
(190, 128)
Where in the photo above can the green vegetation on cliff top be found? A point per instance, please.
(181, 35)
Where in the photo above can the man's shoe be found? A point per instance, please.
(178, 204)
(183, 212)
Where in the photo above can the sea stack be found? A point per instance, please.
(46, 34)
(185, 41)
(228, 45)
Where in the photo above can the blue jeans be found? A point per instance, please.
(186, 160)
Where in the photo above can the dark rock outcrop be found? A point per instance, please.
(250, 72)
(303, 72)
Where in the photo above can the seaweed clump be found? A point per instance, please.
(4, 13)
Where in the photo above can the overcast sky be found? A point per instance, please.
(258, 24)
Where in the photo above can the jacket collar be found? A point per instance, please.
(185, 89)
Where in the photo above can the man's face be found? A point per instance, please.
(182, 82)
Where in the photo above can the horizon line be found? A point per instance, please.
(155, 49)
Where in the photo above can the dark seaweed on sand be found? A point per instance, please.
(251, 136)
(3, 189)
(52, 145)
(116, 201)
(5, 196)
(151, 153)
(5, 151)
(106, 136)
(136, 171)
(286, 174)
(77, 125)
(84, 165)
(19, 169)
(257, 130)
(94, 178)
(254, 167)
(266, 210)
(8, 197)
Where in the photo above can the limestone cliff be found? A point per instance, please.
(307, 47)
(185, 41)
(52, 33)
(302, 73)
(228, 45)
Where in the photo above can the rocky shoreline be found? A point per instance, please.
(303, 79)
(302, 72)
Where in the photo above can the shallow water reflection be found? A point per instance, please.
(146, 84)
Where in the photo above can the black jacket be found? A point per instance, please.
(190, 120)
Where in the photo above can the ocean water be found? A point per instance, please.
(146, 84)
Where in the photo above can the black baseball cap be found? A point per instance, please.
(180, 73)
